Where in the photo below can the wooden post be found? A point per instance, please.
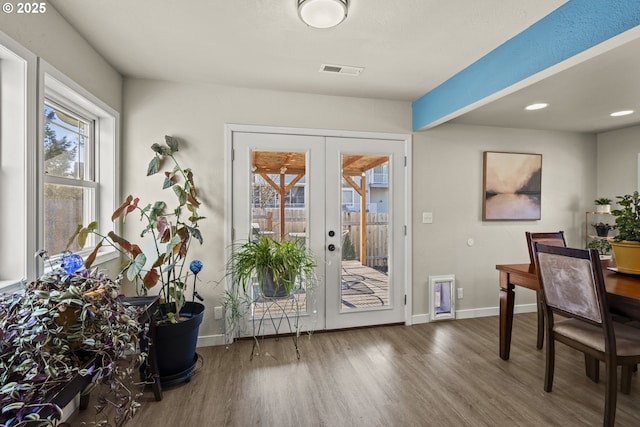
(283, 193)
(363, 220)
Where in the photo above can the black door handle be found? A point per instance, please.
(331, 247)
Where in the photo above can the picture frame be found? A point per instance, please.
(512, 186)
(442, 297)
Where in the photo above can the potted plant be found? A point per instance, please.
(172, 231)
(602, 246)
(265, 267)
(603, 205)
(68, 323)
(602, 229)
(626, 245)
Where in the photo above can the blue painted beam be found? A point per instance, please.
(572, 28)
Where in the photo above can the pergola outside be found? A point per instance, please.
(265, 163)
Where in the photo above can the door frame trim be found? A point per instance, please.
(231, 128)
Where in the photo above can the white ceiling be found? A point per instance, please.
(407, 47)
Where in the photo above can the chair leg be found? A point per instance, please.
(592, 368)
(550, 363)
(540, 321)
(611, 394)
(625, 378)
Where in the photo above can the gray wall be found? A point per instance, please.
(49, 36)
(447, 181)
(618, 162)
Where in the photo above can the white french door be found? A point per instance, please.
(346, 198)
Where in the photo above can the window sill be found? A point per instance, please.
(12, 286)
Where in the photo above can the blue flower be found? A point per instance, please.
(72, 263)
(195, 266)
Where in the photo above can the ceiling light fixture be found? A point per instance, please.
(538, 106)
(621, 113)
(322, 13)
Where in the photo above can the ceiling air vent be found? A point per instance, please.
(341, 69)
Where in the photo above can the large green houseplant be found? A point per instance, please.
(626, 244)
(169, 232)
(266, 268)
(70, 322)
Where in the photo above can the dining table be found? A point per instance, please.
(623, 295)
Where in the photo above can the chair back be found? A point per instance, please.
(572, 283)
(552, 238)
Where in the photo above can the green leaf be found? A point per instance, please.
(172, 143)
(12, 406)
(156, 210)
(154, 166)
(135, 268)
(182, 196)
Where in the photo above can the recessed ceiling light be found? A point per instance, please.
(621, 113)
(537, 106)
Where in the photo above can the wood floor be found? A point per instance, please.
(436, 374)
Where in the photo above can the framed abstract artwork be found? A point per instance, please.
(512, 184)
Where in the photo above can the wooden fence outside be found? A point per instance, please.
(296, 222)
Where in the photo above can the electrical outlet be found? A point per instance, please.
(217, 313)
(460, 293)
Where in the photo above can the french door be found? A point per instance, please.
(346, 198)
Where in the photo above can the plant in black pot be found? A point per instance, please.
(171, 231)
(626, 244)
(267, 268)
(602, 229)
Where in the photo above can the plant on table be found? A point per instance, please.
(50, 332)
(172, 232)
(601, 245)
(628, 218)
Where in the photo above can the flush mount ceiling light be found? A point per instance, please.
(322, 13)
(537, 106)
(621, 113)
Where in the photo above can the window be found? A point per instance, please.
(58, 163)
(79, 163)
(69, 179)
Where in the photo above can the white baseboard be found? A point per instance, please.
(211, 340)
(478, 312)
(220, 339)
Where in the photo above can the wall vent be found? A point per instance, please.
(341, 69)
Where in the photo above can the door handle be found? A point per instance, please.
(331, 247)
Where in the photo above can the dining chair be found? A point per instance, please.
(573, 287)
(554, 238)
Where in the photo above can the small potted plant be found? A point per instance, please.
(265, 267)
(68, 323)
(602, 246)
(602, 229)
(603, 205)
(626, 245)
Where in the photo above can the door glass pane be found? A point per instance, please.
(365, 232)
(279, 210)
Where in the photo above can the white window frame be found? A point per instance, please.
(18, 76)
(64, 91)
(91, 157)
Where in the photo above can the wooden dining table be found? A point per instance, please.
(623, 296)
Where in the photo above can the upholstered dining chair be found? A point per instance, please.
(573, 287)
(553, 238)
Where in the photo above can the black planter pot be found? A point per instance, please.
(176, 345)
(270, 288)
